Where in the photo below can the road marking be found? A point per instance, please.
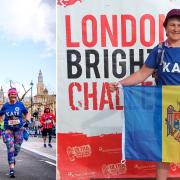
(40, 153)
(50, 163)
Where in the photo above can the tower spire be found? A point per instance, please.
(40, 77)
(40, 84)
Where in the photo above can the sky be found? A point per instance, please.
(27, 43)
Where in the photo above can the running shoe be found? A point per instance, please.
(50, 145)
(45, 145)
(12, 173)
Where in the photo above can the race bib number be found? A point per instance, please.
(48, 121)
(13, 122)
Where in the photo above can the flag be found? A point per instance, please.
(152, 123)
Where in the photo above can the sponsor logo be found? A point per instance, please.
(78, 152)
(67, 2)
(116, 169)
(16, 108)
(173, 122)
(174, 167)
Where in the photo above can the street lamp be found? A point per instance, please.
(31, 84)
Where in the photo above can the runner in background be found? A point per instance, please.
(167, 68)
(13, 111)
(47, 121)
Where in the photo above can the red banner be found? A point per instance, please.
(100, 157)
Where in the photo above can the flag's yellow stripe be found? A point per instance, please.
(170, 143)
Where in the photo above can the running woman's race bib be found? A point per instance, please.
(13, 122)
(48, 121)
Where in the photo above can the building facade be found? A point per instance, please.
(43, 98)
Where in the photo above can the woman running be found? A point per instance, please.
(13, 111)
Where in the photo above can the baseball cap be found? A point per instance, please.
(171, 13)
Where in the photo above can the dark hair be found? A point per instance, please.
(45, 110)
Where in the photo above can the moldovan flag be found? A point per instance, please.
(152, 123)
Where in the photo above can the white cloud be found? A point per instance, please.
(29, 20)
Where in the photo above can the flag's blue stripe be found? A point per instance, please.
(143, 123)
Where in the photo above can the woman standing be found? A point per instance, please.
(168, 67)
(13, 111)
(47, 121)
